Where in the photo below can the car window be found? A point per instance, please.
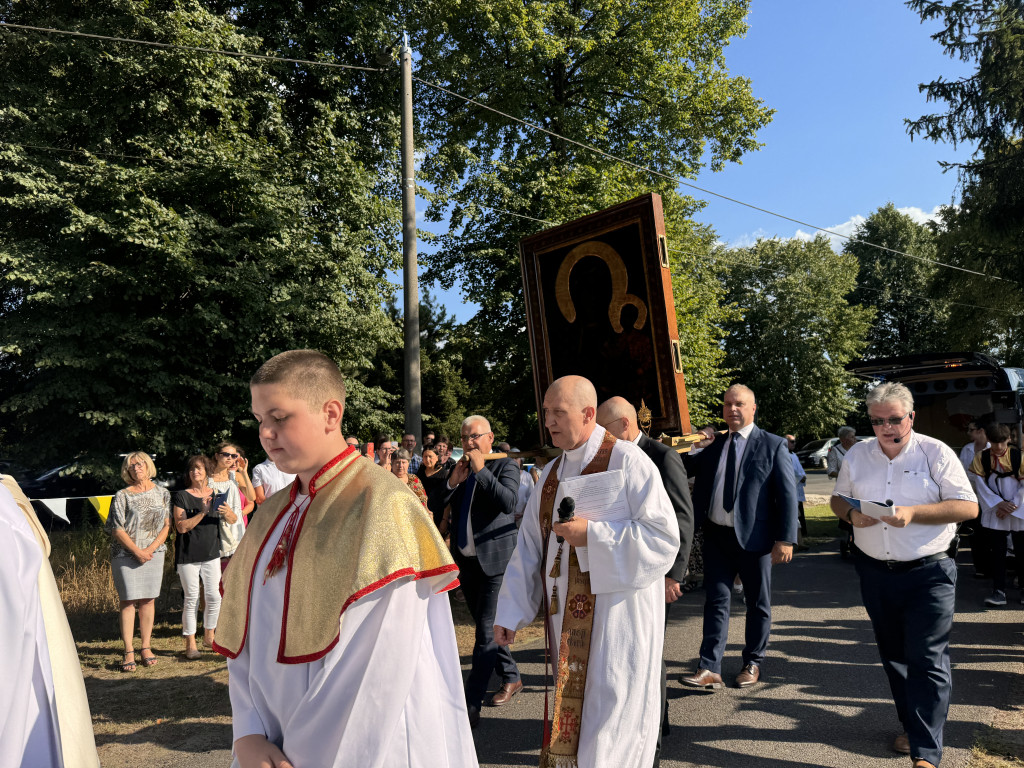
(814, 445)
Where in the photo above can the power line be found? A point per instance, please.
(534, 126)
(190, 48)
(678, 180)
(857, 286)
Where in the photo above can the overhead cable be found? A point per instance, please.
(190, 48)
(678, 180)
(534, 126)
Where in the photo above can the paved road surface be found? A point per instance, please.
(824, 700)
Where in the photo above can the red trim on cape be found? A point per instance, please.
(401, 573)
(313, 487)
(293, 492)
(252, 576)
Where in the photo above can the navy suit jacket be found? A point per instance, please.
(677, 486)
(492, 514)
(766, 504)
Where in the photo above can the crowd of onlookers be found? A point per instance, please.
(209, 517)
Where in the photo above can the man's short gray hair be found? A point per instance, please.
(846, 432)
(890, 392)
(476, 417)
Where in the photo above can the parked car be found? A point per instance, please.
(814, 455)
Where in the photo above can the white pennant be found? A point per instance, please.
(58, 507)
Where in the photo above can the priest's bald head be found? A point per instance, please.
(618, 416)
(570, 409)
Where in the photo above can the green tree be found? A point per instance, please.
(911, 317)
(643, 81)
(797, 332)
(446, 396)
(984, 230)
(158, 238)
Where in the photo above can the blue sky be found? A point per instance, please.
(842, 76)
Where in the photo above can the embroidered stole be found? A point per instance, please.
(562, 745)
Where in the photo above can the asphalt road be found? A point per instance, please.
(823, 700)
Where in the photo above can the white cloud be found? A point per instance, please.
(842, 231)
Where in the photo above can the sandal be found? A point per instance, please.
(128, 666)
(147, 661)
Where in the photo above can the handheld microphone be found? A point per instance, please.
(566, 512)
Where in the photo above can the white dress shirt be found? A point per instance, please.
(925, 471)
(718, 513)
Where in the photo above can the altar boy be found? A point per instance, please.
(339, 637)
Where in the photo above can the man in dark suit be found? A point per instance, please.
(618, 416)
(745, 497)
(483, 497)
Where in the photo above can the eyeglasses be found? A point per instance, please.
(229, 455)
(892, 421)
(137, 464)
(470, 438)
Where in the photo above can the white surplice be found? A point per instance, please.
(628, 560)
(388, 695)
(28, 710)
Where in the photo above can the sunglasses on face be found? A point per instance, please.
(892, 421)
(228, 455)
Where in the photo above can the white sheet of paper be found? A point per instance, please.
(599, 497)
(876, 509)
(1018, 512)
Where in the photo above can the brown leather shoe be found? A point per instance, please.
(749, 676)
(703, 678)
(901, 744)
(920, 762)
(506, 692)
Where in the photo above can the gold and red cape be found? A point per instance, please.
(363, 529)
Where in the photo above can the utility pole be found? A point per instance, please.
(413, 401)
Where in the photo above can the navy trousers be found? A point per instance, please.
(481, 593)
(724, 559)
(911, 613)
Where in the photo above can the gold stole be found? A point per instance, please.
(561, 748)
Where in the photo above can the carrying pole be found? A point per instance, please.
(413, 402)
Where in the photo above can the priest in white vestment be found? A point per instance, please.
(628, 560)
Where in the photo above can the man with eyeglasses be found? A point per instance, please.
(483, 496)
(905, 560)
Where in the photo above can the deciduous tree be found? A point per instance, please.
(797, 332)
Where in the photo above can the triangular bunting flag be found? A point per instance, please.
(57, 507)
(102, 505)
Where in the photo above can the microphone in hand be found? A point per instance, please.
(566, 512)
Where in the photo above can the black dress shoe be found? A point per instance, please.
(474, 716)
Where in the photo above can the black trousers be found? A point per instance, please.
(481, 593)
(997, 556)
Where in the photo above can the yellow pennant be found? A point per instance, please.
(102, 505)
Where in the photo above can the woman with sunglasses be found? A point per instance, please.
(223, 481)
(138, 524)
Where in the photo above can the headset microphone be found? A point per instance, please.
(899, 439)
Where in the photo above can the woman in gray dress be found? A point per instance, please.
(138, 523)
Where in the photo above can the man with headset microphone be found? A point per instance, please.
(905, 560)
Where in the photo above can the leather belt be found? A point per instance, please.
(901, 566)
